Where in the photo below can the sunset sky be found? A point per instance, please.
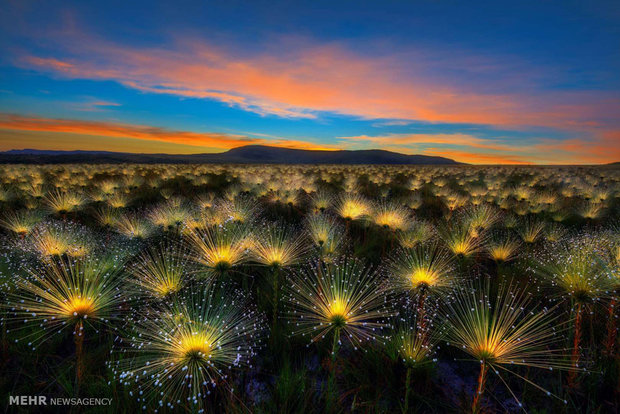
(480, 82)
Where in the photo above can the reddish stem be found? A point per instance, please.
(612, 329)
(421, 303)
(482, 379)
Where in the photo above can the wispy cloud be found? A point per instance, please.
(462, 147)
(476, 158)
(455, 139)
(313, 78)
(93, 105)
(200, 140)
(602, 148)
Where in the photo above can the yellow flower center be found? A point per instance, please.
(79, 306)
(166, 287)
(352, 210)
(338, 312)
(274, 256)
(423, 277)
(193, 346)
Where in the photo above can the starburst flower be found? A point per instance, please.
(555, 232)
(340, 297)
(574, 272)
(421, 269)
(161, 271)
(414, 201)
(35, 191)
(5, 194)
(82, 295)
(502, 332)
(391, 216)
(353, 207)
(169, 215)
(220, 249)
(106, 216)
(455, 201)
(119, 200)
(182, 349)
(20, 222)
(531, 230)
(63, 202)
(51, 239)
(460, 240)
(278, 246)
(503, 250)
(417, 232)
(481, 217)
(132, 226)
(591, 211)
(572, 268)
(321, 200)
(326, 234)
(205, 201)
(240, 210)
(417, 342)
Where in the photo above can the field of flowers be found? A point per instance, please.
(311, 289)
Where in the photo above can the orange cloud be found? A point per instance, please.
(603, 148)
(450, 139)
(474, 158)
(143, 132)
(311, 79)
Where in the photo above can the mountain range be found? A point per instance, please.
(250, 154)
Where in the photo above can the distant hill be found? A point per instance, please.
(250, 154)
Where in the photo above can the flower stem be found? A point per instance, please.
(276, 294)
(482, 379)
(331, 394)
(407, 389)
(79, 355)
(612, 329)
(572, 375)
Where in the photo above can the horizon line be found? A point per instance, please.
(7, 152)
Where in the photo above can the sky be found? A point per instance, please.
(482, 82)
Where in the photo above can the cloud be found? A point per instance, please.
(475, 158)
(603, 148)
(218, 141)
(303, 81)
(458, 139)
(461, 147)
(93, 105)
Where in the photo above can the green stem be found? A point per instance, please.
(5, 344)
(407, 389)
(572, 375)
(335, 343)
(331, 395)
(276, 293)
(79, 354)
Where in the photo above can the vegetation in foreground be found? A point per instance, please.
(301, 289)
